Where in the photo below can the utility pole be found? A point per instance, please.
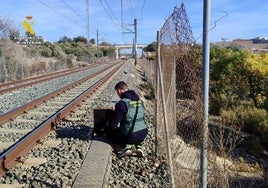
(97, 42)
(97, 39)
(135, 41)
(87, 20)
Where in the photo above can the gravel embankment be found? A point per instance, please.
(63, 160)
(141, 172)
(20, 97)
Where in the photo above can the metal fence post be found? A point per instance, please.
(205, 82)
(164, 111)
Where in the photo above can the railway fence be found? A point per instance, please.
(176, 77)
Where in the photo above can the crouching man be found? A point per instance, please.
(127, 127)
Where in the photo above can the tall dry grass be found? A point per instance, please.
(18, 62)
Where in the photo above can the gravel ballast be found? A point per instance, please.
(64, 160)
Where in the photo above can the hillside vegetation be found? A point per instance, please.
(20, 61)
(239, 94)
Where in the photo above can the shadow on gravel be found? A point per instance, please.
(113, 101)
(102, 139)
(82, 132)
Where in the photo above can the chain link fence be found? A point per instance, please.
(176, 75)
(178, 94)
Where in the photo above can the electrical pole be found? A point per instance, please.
(97, 42)
(87, 20)
(135, 41)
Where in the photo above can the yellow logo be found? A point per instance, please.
(27, 24)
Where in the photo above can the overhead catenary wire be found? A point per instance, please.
(58, 12)
(84, 19)
(68, 17)
(112, 16)
(77, 14)
(131, 8)
(109, 13)
(112, 13)
(124, 25)
(132, 14)
(143, 4)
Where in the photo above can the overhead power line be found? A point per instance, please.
(109, 12)
(58, 12)
(131, 8)
(143, 4)
(129, 5)
(132, 13)
(77, 14)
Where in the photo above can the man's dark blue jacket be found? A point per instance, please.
(119, 117)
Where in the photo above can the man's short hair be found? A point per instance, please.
(121, 85)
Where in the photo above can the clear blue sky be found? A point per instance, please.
(56, 18)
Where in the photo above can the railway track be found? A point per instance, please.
(56, 160)
(11, 86)
(18, 97)
(9, 115)
(25, 127)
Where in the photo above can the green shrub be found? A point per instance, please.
(45, 51)
(264, 103)
(230, 117)
(216, 103)
(46, 44)
(57, 51)
(69, 50)
(69, 61)
(30, 50)
(249, 118)
(234, 117)
(253, 119)
(263, 131)
(148, 89)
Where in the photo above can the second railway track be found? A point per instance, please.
(18, 96)
(10, 86)
(15, 133)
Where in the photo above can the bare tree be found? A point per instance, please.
(7, 29)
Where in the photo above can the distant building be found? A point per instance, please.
(260, 40)
(258, 44)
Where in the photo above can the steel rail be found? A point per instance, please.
(7, 84)
(10, 115)
(18, 150)
(43, 78)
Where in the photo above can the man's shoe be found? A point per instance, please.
(139, 151)
(125, 152)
